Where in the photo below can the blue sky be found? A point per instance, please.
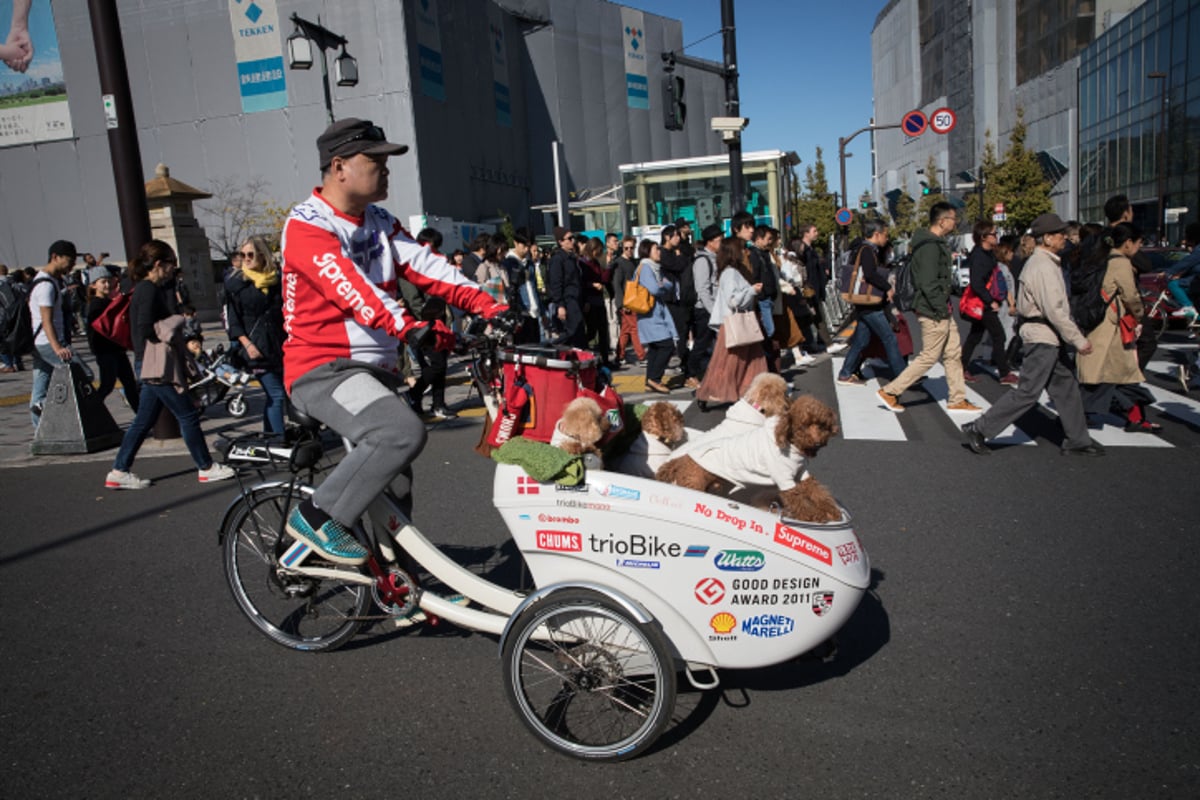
(805, 72)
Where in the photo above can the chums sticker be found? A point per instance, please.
(563, 541)
(802, 544)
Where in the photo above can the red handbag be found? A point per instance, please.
(1127, 324)
(970, 305)
(113, 322)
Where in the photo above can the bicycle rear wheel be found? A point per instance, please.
(296, 611)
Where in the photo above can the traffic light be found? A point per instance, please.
(924, 188)
(868, 204)
(674, 109)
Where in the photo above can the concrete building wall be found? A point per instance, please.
(565, 73)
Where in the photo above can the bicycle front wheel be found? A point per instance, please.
(296, 611)
(587, 679)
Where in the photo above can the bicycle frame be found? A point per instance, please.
(385, 515)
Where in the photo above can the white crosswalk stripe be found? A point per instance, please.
(861, 413)
(935, 383)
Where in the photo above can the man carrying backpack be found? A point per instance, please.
(51, 333)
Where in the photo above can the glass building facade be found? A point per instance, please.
(1130, 132)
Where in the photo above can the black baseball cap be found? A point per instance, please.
(63, 248)
(351, 136)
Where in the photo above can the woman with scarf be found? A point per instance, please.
(254, 319)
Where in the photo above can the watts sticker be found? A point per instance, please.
(710, 591)
(802, 544)
(562, 541)
(768, 626)
(739, 560)
(723, 624)
(822, 602)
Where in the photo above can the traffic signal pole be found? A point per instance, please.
(845, 140)
(728, 70)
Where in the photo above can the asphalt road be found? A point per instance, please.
(1032, 633)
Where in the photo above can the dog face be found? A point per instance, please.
(583, 421)
(663, 421)
(768, 392)
(808, 425)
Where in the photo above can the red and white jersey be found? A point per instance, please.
(339, 286)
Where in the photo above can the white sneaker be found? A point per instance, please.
(1186, 311)
(805, 360)
(124, 480)
(836, 347)
(217, 472)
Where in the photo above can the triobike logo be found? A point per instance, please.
(768, 626)
(562, 541)
(739, 560)
(802, 544)
(710, 591)
(635, 544)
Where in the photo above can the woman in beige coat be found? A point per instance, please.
(1109, 375)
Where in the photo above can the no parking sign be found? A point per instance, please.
(914, 123)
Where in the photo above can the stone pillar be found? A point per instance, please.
(173, 221)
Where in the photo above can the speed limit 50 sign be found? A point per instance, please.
(942, 120)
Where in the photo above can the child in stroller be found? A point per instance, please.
(218, 377)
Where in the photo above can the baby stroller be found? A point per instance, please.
(220, 380)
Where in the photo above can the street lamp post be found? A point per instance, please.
(1161, 147)
(345, 67)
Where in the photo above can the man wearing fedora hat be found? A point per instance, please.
(1046, 331)
(342, 259)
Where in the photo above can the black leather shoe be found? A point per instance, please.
(975, 440)
(1092, 449)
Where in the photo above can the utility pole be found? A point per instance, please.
(732, 105)
(729, 72)
(122, 130)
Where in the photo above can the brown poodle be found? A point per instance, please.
(580, 428)
(662, 432)
(775, 456)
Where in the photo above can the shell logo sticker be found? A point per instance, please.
(710, 591)
(723, 622)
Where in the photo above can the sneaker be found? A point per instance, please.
(331, 540)
(217, 472)
(116, 479)
(970, 377)
(964, 405)
(691, 383)
(1011, 379)
(805, 360)
(441, 412)
(1184, 312)
(836, 348)
(850, 380)
(890, 401)
(975, 440)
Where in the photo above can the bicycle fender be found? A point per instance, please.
(304, 489)
(634, 609)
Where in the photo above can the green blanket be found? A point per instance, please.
(541, 461)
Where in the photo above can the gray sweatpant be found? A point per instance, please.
(360, 403)
(1045, 366)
